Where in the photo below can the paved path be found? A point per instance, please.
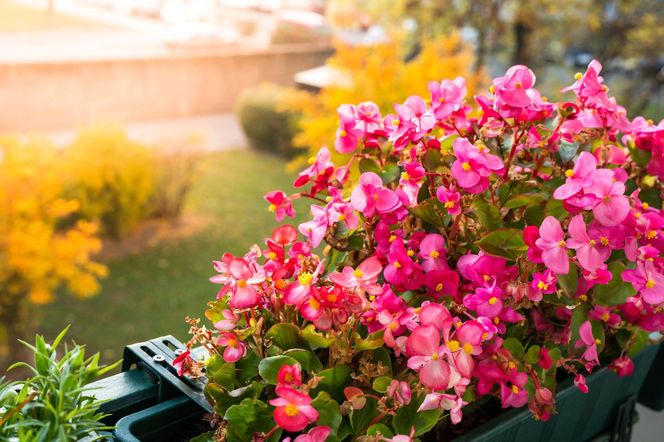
(213, 132)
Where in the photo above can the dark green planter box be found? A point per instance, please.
(135, 409)
(652, 392)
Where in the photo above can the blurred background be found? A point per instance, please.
(138, 137)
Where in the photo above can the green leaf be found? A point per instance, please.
(426, 211)
(640, 157)
(368, 165)
(507, 243)
(224, 375)
(532, 355)
(379, 429)
(247, 368)
(381, 383)
(390, 173)
(383, 356)
(570, 282)
(214, 309)
(360, 419)
(617, 290)
(315, 338)
(306, 358)
(284, 335)
(568, 151)
(534, 215)
(515, 347)
(407, 417)
(639, 342)
(334, 380)
(249, 417)
(328, 411)
(555, 209)
(487, 214)
(526, 199)
(371, 342)
(268, 368)
(579, 316)
(223, 398)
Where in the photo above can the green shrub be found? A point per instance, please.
(113, 178)
(54, 404)
(267, 124)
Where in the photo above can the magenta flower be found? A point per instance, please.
(364, 277)
(587, 339)
(450, 200)
(293, 410)
(553, 246)
(442, 283)
(411, 180)
(587, 252)
(473, 166)
(623, 366)
(371, 197)
(513, 393)
(347, 135)
(435, 401)
(235, 349)
(280, 204)
(228, 323)
(515, 96)
(486, 301)
(316, 434)
(544, 283)
(581, 177)
(414, 121)
(303, 287)
(432, 252)
(613, 206)
(589, 88)
(426, 357)
(183, 363)
(241, 279)
(580, 383)
(447, 97)
(290, 375)
(647, 280)
(401, 270)
(319, 165)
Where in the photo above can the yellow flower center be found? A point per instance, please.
(637, 214)
(434, 254)
(562, 243)
(519, 85)
(242, 283)
(583, 298)
(496, 320)
(468, 348)
(466, 166)
(449, 204)
(291, 410)
(578, 76)
(597, 341)
(606, 316)
(280, 284)
(515, 389)
(397, 264)
(342, 133)
(511, 365)
(542, 285)
(311, 160)
(604, 240)
(441, 100)
(485, 336)
(435, 357)
(405, 176)
(652, 234)
(453, 345)
(272, 207)
(394, 325)
(395, 122)
(342, 217)
(331, 297)
(410, 252)
(305, 278)
(232, 342)
(288, 377)
(645, 205)
(592, 243)
(493, 300)
(358, 273)
(492, 89)
(487, 278)
(313, 302)
(272, 255)
(650, 283)
(439, 286)
(392, 238)
(569, 173)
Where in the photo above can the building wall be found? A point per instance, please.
(59, 95)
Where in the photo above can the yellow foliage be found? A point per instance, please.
(112, 177)
(378, 73)
(41, 247)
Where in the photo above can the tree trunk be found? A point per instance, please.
(522, 38)
(14, 323)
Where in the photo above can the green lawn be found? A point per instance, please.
(17, 17)
(148, 295)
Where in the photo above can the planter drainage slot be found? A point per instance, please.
(156, 357)
(622, 431)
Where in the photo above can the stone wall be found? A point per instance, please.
(58, 95)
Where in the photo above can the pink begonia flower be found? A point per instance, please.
(514, 395)
(414, 121)
(530, 237)
(601, 313)
(315, 229)
(239, 278)
(486, 301)
(371, 197)
(411, 180)
(435, 401)
(485, 270)
(442, 283)
(587, 252)
(579, 178)
(235, 349)
(544, 283)
(399, 392)
(426, 357)
(280, 204)
(613, 206)
(647, 280)
(183, 363)
(228, 323)
(447, 97)
(347, 135)
(587, 339)
(589, 88)
(293, 410)
(580, 383)
(290, 375)
(320, 165)
(515, 96)
(450, 200)
(473, 166)
(364, 277)
(316, 434)
(544, 358)
(623, 366)
(433, 252)
(401, 270)
(369, 119)
(553, 245)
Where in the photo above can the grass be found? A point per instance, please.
(16, 17)
(148, 295)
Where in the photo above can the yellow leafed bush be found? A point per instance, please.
(42, 247)
(378, 73)
(112, 177)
